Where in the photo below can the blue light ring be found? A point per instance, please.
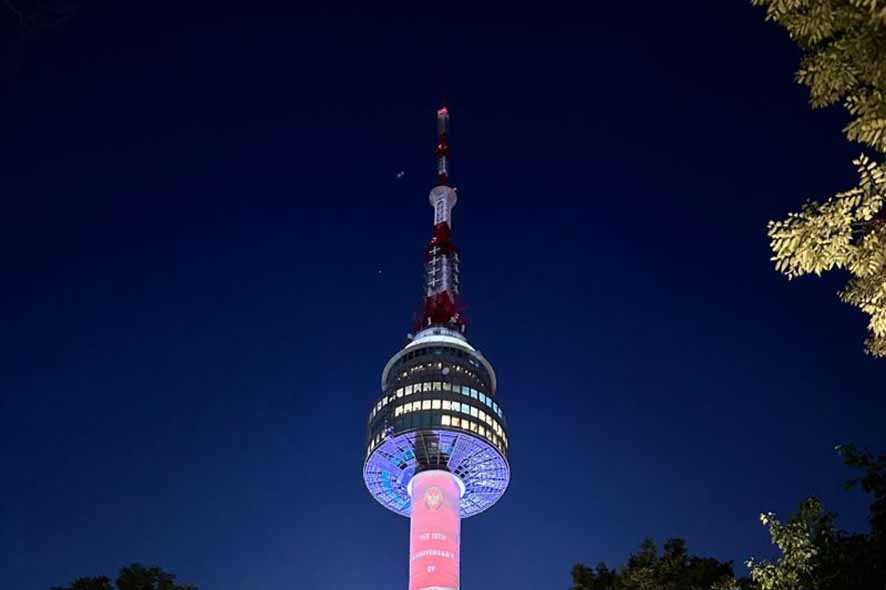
(483, 487)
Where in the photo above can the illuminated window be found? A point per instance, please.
(456, 388)
(473, 427)
(446, 420)
(435, 404)
(426, 405)
(473, 411)
(437, 386)
(400, 392)
(466, 409)
(416, 406)
(447, 386)
(398, 410)
(474, 393)
(408, 390)
(426, 386)
(482, 415)
(447, 405)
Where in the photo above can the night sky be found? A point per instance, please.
(207, 258)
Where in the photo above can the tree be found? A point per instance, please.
(844, 61)
(815, 555)
(133, 577)
(101, 583)
(674, 569)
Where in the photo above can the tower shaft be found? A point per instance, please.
(434, 531)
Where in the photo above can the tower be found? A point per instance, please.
(437, 448)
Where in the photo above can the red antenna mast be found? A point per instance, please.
(441, 255)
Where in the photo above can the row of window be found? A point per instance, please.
(439, 366)
(433, 350)
(428, 386)
(465, 424)
(373, 443)
(451, 422)
(450, 406)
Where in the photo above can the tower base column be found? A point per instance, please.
(434, 531)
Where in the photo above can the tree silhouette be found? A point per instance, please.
(133, 577)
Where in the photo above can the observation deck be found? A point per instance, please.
(438, 411)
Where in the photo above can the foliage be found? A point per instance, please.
(815, 555)
(674, 569)
(101, 583)
(844, 62)
(133, 577)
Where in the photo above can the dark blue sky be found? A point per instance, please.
(207, 260)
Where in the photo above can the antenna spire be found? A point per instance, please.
(441, 255)
(442, 146)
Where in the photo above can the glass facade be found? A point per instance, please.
(438, 411)
(438, 386)
(423, 414)
(434, 386)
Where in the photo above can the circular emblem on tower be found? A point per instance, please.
(433, 498)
